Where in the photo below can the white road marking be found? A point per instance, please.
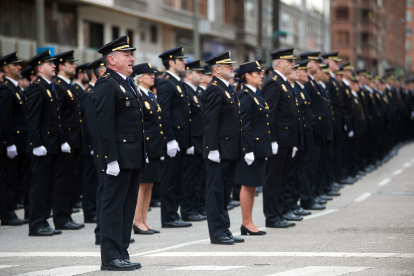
(320, 214)
(282, 254)
(49, 254)
(384, 182)
(320, 270)
(406, 165)
(363, 197)
(6, 266)
(206, 267)
(397, 172)
(169, 247)
(63, 271)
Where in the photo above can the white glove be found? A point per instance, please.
(351, 134)
(249, 158)
(275, 147)
(345, 128)
(172, 148)
(412, 115)
(147, 160)
(214, 156)
(162, 158)
(265, 158)
(295, 149)
(65, 147)
(92, 152)
(112, 168)
(12, 151)
(190, 151)
(40, 151)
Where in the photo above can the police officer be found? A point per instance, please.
(28, 77)
(222, 146)
(176, 121)
(119, 120)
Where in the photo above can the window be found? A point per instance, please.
(230, 12)
(408, 61)
(115, 32)
(409, 31)
(342, 13)
(130, 34)
(93, 35)
(409, 3)
(408, 46)
(154, 34)
(365, 39)
(187, 5)
(296, 3)
(365, 15)
(409, 16)
(343, 37)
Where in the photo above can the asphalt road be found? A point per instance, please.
(368, 230)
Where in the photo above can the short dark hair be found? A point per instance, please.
(89, 72)
(96, 72)
(36, 69)
(166, 64)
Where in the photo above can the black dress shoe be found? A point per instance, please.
(25, 221)
(325, 197)
(349, 180)
(301, 212)
(70, 225)
(149, 209)
(340, 186)
(12, 222)
(236, 239)
(42, 232)
(333, 193)
(315, 206)
(223, 240)
(155, 231)
(75, 210)
(131, 240)
(234, 203)
(176, 224)
(202, 212)
(336, 189)
(135, 265)
(320, 200)
(280, 224)
(91, 220)
(54, 231)
(229, 207)
(291, 216)
(97, 242)
(117, 265)
(244, 231)
(194, 218)
(155, 203)
(142, 232)
(78, 205)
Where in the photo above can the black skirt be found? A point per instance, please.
(253, 175)
(152, 173)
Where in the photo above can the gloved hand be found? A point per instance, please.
(249, 158)
(162, 158)
(190, 151)
(65, 147)
(412, 115)
(295, 149)
(92, 152)
(214, 156)
(40, 151)
(113, 168)
(12, 151)
(345, 128)
(147, 160)
(351, 134)
(172, 148)
(275, 147)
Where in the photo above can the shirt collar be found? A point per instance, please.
(354, 93)
(191, 85)
(174, 75)
(122, 75)
(332, 74)
(280, 74)
(48, 81)
(224, 81)
(81, 85)
(311, 77)
(322, 84)
(345, 81)
(293, 85)
(92, 84)
(65, 79)
(388, 86)
(204, 88)
(368, 88)
(301, 86)
(13, 81)
(143, 89)
(251, 87)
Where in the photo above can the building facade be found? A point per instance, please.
(409, 38)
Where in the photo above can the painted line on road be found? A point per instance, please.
(282, 254)
(397, 172)
(6, 266)
(384, 182)
(363, 197)
(320, 270)
(206, 267)
(320, 214)
(49, 254)
(63, 271)
(406, 165)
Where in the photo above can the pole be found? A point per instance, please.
(196, 35)
(40, 23)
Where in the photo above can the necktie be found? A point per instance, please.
(71, 85)
(129, 83)
(231, 88)
(258, 93)
(51, 86)
(294, 89)
(149, 94)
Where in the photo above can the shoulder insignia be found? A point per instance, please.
(302, 95)
(70, 93)
(257, 102)
(58, 82)
(245, 90)
(89, 90)
(274, 78)
(38, 80)
(284, 87)
(18, 96)
(228, 94)
(195, 99)
(122, 88)
(147, 105)
(6, 82)
(179, 89)
(106, 75)
(214, 83)
(166, 77)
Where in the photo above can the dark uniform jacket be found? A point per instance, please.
(176, 114)
(79, 90)
(306, 117)
(222, 127)
(87, 144)
(12, 118)
(348, 106)
(335, 94)
(154, 138)
(200, 91)
(42, 117)
(320, 108)
(283, 113)
(197, 118)
(70, 112)
(254, 114)
(358, 116)
(119, 121)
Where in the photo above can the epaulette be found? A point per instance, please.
(6, 82)
(245, 90)
(38, 81)
(106, 75)
(166, 77)
(214, 83)
(274, 78)
(88, 90)
(77, 86)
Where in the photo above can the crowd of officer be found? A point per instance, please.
(104, 135)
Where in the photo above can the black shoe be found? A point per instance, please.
(155, 231)
(348, 181)
(70, 225)
(176, 224)
(280, 224)
(336, 189)
(19, 206)
(339, 186)
(78, 205)
(194, 218)
(97, 242)
(325, 197)
(25, 221)
(236, 239)
(315, 206)
(234, 203)
(135, 265)
(301, 212)
(320, 200)
(333, 193)
(12, 222)
(92, 220)
(142, 232)
(54, 231)
(155, 203)
(244, 231)
(75, 210)
(42, 232)
(202, 212)
(131, 240)
(229, 207)
(223, 240)
(290, 216)
(117, 265)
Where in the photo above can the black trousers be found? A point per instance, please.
(191, 174)
(308, 175)
(294, 184)
(119, 200)
(8, 186)
(172, 172)
(67, 167)
(77, 189)
(201, 189)
(99, 195)
(220, 180)
(339, 151)
(89, 187)
(277, 169)
(41, 190)
(324, 172)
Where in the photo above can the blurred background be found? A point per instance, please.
(372, 34)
